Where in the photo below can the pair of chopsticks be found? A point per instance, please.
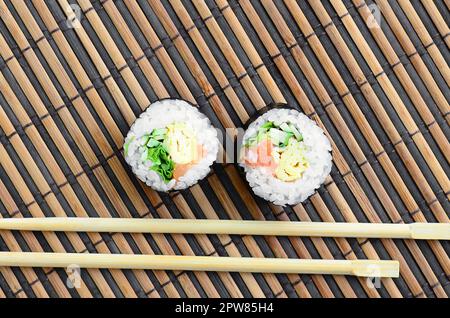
(362, 268)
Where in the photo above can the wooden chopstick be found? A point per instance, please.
(362, 268)
(428, 231)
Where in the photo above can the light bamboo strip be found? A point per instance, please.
(426, 231)
(361, 268)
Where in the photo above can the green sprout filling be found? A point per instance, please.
(157, 153)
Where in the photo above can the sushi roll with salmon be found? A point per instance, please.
(171, 146)
(285, 155)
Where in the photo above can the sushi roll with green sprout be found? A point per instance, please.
(171, 146)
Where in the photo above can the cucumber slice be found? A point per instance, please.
(296, 133)
(262, 134)
(277, 136)
(286, 139)
(285, 127)
(153, 143)
(159, 132)
(144, 139)
(127, 144)
(267, 125)
(251, 141)
(159, 137)
(144, 156)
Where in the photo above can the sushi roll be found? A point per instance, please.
(171, 146)
(285, 155)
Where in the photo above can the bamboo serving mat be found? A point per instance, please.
(74, 76)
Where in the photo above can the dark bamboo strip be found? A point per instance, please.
(426, 39)
(401, 73)
(415, 59)
(447, 3)
(227, 50)
(391, 93)
(2, 293)
(223, 82)
(12, 244)
(250, 50)
(438, 20)
(382, 115)
(14, 285)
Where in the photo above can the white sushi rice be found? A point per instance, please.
(317, 153)
(159, 115)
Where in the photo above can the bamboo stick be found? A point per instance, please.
(422, 231)
(362, 268)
